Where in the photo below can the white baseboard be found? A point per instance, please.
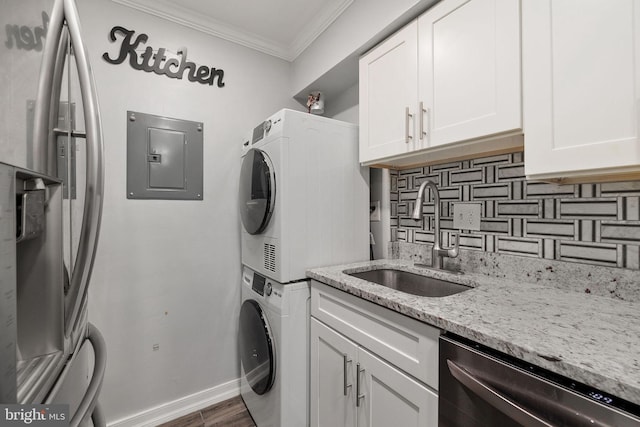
(183, 406)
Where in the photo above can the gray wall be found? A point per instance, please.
(166, 284)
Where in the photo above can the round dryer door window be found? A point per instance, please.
(257, 191)
(257, 351)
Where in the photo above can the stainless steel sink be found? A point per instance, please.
(411, 283)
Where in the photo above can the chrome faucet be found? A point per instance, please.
(437, 252)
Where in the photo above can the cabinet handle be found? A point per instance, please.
(423, 111)
(358, 395)
(407, 116)
(345, 361)
(427, 111)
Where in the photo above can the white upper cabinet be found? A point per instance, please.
(469, 69)
(451, 76)
(388, 96)
(581, 87)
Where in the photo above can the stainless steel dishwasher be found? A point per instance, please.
(480, 387)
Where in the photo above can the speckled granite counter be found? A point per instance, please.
(593, 339)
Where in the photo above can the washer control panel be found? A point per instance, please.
(258, 283)
(262, 286)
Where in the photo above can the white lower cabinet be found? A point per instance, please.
(390, 397)
(332, 373)
(352, 385)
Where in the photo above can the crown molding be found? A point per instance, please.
(208, 25)
(312, 32)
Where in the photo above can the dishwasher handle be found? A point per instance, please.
(495, 399)
(516, 411)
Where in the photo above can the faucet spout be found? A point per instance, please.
(417, 210)
(438, 252)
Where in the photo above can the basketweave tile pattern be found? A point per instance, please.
(587, 223)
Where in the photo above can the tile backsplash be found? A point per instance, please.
(586, 223)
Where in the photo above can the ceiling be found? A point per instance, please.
(282, 28)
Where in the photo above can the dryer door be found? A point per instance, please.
(257, 191)
(257, 347)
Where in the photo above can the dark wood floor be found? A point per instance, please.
(230, 413)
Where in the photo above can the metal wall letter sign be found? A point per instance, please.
(158, 62)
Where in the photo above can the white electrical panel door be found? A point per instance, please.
(388, 96)
(469, 70)
(581, 86)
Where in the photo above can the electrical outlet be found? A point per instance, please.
(466, 216)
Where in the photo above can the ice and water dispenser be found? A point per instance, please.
(31, 284)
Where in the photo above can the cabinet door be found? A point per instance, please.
(581, 75)
(392, 398)
(388, 87)
(469, 70)
(330, 405)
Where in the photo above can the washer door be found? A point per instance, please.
(257, 191)
(257, 351)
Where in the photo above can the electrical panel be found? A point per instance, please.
(164, 158)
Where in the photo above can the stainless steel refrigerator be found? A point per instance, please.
(51, 186)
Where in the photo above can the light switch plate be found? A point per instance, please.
(466, 216)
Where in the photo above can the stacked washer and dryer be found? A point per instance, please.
(304, 203)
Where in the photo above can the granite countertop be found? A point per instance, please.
(592, 339)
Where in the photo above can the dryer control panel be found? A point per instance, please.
(267, 127)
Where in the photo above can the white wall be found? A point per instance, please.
(345, 106)
(168, 272)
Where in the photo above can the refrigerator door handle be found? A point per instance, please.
(90, 399)
(88, 405)
(92, 215)
(42, 112)
(54, 101)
